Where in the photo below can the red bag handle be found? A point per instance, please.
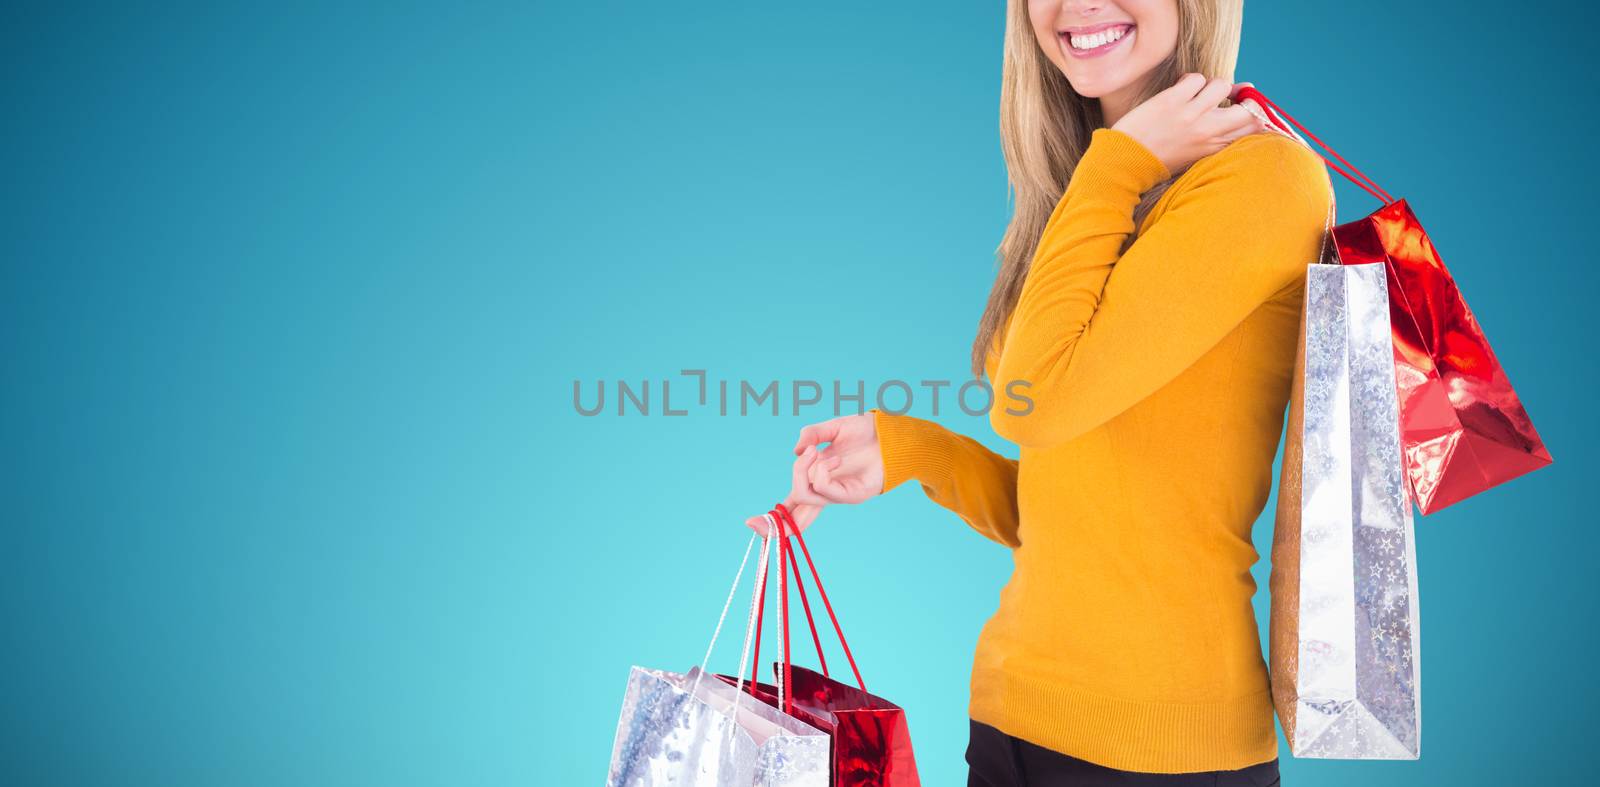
(837, 629)
(786, 559)
(804, 601)
(1273, 111)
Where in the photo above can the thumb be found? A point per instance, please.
(760, 525)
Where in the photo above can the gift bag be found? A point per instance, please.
(1462, 425)
(871, 743)
(688, 729)
(1344, 646)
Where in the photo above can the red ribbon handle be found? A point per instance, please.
(1273, 112)
(788, 519)
(786, 559)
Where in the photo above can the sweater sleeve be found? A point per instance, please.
(1095, 329)
(956, 472)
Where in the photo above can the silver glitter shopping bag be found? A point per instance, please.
(693, 729)
(1344, 639)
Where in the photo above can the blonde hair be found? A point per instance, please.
(1045, 127)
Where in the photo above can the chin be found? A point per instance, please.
(1093, 88)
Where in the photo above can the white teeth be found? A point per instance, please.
(1099, 39)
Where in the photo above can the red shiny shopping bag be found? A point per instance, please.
(1462, 427)
(871, 743)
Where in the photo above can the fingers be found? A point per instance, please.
(802, 498)
(845, 479)
(843, 488)
(762, 524)
(813, 464)
(800, 490)
(1200, 93)
(818, 476)
(1186, 87)
(1255, 110)
(804, 515)
(1229, 123)
(1263, 117)
(816, 434)
(1211, 94)
(821, 479)
(1228, 137)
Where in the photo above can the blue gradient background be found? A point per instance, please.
(293, 300)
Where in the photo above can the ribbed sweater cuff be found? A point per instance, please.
(1117, 165)
(912, 448)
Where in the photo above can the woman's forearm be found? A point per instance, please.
(955, 471)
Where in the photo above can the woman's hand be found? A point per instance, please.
(1183, 123)
(848, 470)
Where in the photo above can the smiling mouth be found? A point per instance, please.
(1096, 42)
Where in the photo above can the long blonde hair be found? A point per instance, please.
(1045, 127)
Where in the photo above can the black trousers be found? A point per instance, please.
(995, 759)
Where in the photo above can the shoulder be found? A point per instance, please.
(1266, 185)
(1269, 195)
(1267, 164)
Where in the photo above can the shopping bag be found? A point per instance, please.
(1463, 427)
(871, 742)
(676, 729)
(1344, 647)
(688, 729)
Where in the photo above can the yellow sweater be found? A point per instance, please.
(1160, 376)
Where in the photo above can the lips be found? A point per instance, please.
(1095, 40)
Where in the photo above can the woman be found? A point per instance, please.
(1147, 303)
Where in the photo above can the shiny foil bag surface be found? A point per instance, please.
(1344, 645)
(1463, 427)
(675, 730)
(871, 740)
